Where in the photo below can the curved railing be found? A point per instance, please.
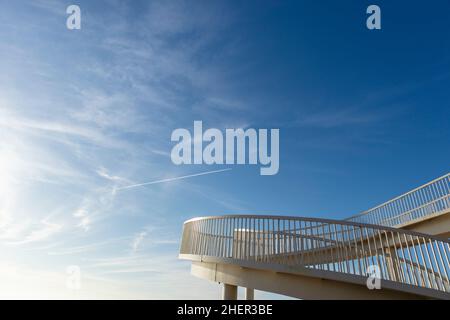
(430, 199)
(335, 247)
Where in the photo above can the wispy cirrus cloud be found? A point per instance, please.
(32, 233)
(76, 127)
(338, 118)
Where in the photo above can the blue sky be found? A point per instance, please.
(363, 116)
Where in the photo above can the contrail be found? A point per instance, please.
(171, 179)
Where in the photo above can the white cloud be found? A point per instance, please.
(102, 172)
(47, 230)
(42, 231)
(62, 249)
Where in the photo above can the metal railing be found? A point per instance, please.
(430, 199)
(343, 247)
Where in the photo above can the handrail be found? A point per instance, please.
(318, 222)
(429, 199)
(344, 247)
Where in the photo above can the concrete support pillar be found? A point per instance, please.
(249, 294)
(229, 292)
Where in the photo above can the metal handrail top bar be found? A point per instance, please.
(329, 221)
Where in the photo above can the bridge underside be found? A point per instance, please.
(293, 285)
(436, 225)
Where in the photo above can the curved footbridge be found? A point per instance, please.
(399, 249)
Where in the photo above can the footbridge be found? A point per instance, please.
(397, 250)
